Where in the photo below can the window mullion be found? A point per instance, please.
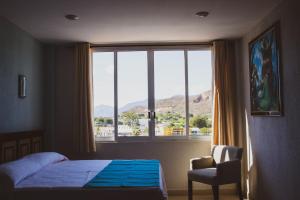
(187, 113)
(151, 100)
(116, 94)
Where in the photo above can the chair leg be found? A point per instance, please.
(190, 190)
(239, 188)
(215, 189)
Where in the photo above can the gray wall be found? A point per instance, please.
(20, 54)
(64, 99)
(275, 141)
(59, 61)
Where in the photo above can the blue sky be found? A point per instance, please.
(132, 75)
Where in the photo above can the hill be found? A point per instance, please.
(198, 104)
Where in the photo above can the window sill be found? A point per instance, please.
(158, 139)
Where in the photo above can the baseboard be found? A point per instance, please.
(199, 192)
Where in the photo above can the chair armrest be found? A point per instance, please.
(200, 163)
(229, 171)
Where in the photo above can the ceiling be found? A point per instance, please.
(131, 21)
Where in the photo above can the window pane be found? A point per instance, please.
(200, 92)
(169, 75)
(132, 93)
(103, 77)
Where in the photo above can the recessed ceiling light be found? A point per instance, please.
(202, 14)
(71, 17)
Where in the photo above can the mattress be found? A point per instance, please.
(66, 179)
(65, 174)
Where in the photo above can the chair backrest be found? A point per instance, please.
(222, 153)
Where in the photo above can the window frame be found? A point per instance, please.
(150, 49)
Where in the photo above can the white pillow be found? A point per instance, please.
(12, 173)
(45, 158)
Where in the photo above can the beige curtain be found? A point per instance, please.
(224, 130)
(227, 115)
(83, 112)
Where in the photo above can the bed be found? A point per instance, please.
(50, 176)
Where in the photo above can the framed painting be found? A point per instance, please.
(264, 68)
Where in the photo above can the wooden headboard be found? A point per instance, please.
(18, 144)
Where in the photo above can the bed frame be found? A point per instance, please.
(18, 144)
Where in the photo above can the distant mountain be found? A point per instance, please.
(199, 104)
(133, 105)
(103, 111)
(108, 111)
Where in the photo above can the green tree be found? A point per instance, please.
(136, 131)
(108, 121)
(130, 118)
(200, 121)
(205, 131)
(99, 120)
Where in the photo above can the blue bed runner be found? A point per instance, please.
(128, 173)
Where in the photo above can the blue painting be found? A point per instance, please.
(265, 90)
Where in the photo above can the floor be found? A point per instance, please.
(205, 197)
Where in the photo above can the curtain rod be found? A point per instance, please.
(153, 44)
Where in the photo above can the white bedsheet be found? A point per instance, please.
(65, 174)
(66, 180)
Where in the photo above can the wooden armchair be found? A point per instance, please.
(222, 167)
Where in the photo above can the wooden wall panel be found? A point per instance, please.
(8, 151)
(24, 147)
(36, 144)
(19, 144)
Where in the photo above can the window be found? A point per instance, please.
(169, 76)
(132, 94)
(103, 77)
(152, 93)
(200, 93)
